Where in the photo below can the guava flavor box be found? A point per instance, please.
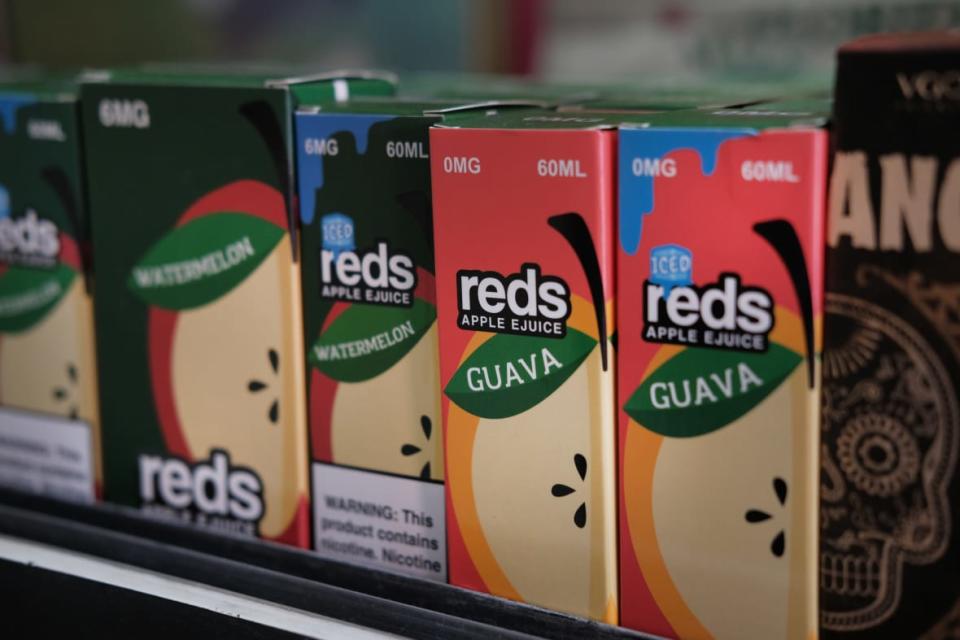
(198, 293)
(523, 220)
(653, 99)
(49, 420)
(719, 307)
(890, 529)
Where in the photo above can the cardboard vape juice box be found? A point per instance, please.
(652, 100)
(371, 338)
(708, 93)
(49, 420)
(719, 294)
(472, 87)
(198, 294)
(523, 222)
(890, 525)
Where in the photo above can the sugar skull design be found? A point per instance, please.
(889, 446)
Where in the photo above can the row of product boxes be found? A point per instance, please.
(576, 354)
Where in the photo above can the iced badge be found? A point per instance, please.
(671, 266)
(337, 233)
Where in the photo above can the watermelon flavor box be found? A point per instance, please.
(371, 337)
(198, 293)
(49, 416)
(369, 301)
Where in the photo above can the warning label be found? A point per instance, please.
(383, 521)
(45, 454)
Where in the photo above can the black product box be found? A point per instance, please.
(890, 486)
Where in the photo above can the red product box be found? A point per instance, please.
(719, 306)
(524, 232)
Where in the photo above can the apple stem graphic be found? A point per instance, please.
(259, 114)
(418, 204)
(782, 237)
(57, 180)
(575, 231)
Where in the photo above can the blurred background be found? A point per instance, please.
(553, 39)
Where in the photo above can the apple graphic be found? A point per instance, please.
(756, 517)
(533, 492)
(228, 374)
(530, 469)
(49, 366)
(750, 477)
(387, 422)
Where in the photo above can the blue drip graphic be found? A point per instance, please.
(636, 192)
(310, 166)
(10, 103)
(4, 202)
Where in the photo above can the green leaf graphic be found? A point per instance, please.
(203, 260)
(366, 340)
(509, 374)
(27, 295)
(701, 390)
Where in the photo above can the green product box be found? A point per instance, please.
(369, 299)
(467, 87)
(49, 419)
(192, 199)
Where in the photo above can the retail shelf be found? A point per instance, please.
(103, 568)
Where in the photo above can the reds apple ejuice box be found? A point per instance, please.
(49, 420)
(719, 302)
(890, 522)
(523, 223)
(198, 294)
(371, 336)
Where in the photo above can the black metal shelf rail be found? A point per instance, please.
(285, 576)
